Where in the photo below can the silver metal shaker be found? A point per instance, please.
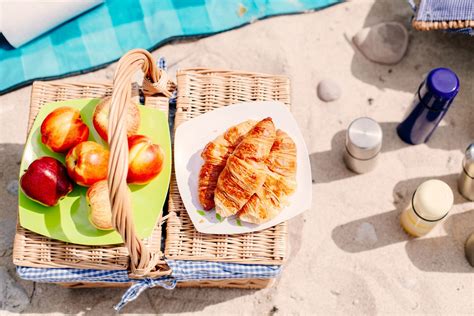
(469, 249)
(466, 188)
(466, 178)
(363, 144)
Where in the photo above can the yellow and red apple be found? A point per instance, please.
(100, 118)
(87, 163)
(63, 129)
(145, 160)
(100, 212)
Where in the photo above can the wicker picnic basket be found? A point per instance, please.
(442, 25)
(199, 91)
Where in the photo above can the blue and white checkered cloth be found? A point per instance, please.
(102, 35)
(182, 270)
(446, 10)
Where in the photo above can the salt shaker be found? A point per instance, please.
(430, 204)
(432, 100)
(363, 144)
(466, 178)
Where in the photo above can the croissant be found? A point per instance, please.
(215, 156)
(245, 171)
(279, 184)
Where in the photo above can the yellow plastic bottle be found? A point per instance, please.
(430, 204)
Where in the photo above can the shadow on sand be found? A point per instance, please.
(427, 254)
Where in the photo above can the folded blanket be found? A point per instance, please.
(445, 15)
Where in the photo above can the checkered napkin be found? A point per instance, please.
(182, 270)
(104, 34)
(446, 10)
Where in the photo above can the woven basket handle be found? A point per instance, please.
(143, 262)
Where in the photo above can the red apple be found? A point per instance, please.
(46, 181)
(145, 159)
(101, 118)
(87, 163)
(63, 129)
(100, 212)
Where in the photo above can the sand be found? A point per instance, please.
(348, 253)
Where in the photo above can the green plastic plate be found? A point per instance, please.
(68, 221)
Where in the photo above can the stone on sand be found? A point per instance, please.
(366, 234)
(13, 297)
(384, 43)
(12, 187)
(328, 90)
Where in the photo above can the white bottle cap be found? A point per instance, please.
(432, 200)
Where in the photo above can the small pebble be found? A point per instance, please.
(384, 43)
(274, 310)
(366, 234)
(12, 187)
(336, 293)
(328, 90)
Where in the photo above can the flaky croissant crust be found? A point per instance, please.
(279, 184)
(242, 172)
(215, 156)
(245, 171)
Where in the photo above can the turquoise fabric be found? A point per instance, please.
(102, 35)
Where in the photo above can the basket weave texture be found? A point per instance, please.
(199, 91)
(441, 25)
(434, 15)
(33, 250)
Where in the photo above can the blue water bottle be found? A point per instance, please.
(431, 102)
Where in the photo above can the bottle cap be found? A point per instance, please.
(440, 88)
(468, 162)
(364, 138)
(432, 200)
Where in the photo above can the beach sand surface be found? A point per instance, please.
(348, 254)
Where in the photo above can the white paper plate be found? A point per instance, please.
(192, 136)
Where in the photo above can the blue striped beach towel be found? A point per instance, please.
(102, 35)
